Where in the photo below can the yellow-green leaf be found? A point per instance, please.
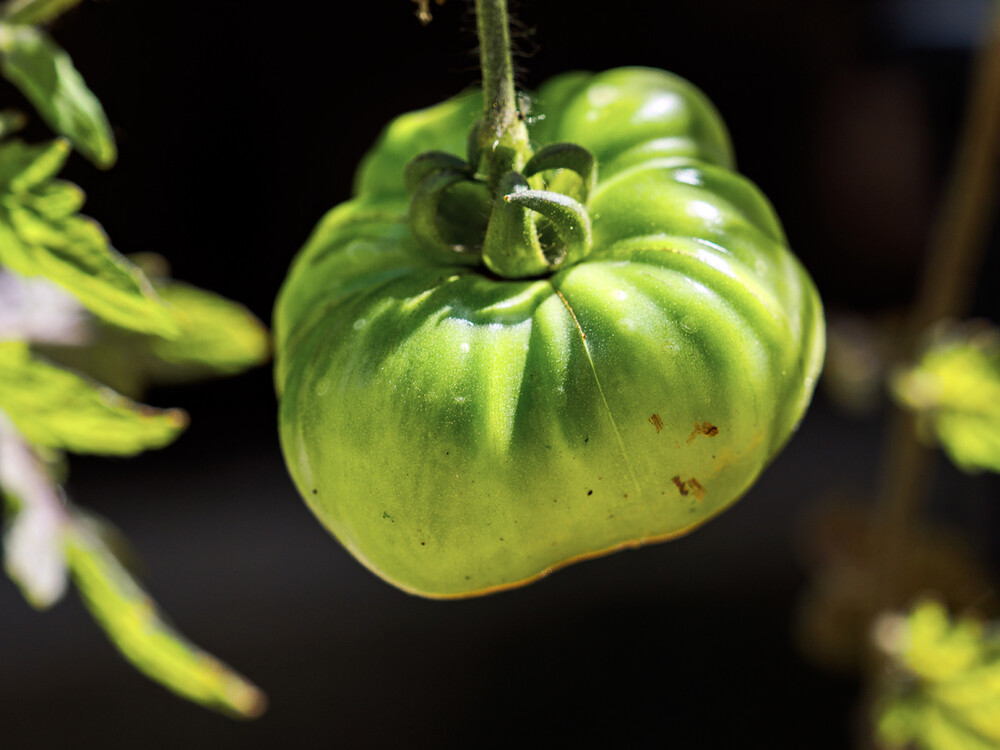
(54, 408)
(41, 235)
(135, 626)
(55, 200)
(217, 336)
(23, 166)
(906, 725)
(944, 686)
(35, 11)
(46, 76)
(955, 389)
(74, 253)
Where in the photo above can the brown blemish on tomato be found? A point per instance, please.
(686, 487)
(703, 428)
(656, 422)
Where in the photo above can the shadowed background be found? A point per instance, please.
(237, 129)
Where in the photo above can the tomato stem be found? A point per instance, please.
(527, 231)
(502, 137)
(956, 251)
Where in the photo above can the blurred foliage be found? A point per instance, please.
(41, 234)
(942, 681)
(858, 352)
(844, 546)
(45, 75)
(55, 408)
(139, 631)
(35, 11)
(217, 337)
(955, 390)
(104, 315)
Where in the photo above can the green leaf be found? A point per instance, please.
(54, 408)
(944, 686)
(35, 11)
(908, 724)
(135, 626)
(45, 74)
(24, 166)
(41, 235)
(955, 389)
(217, 336)
(74, 253)
(55, 200)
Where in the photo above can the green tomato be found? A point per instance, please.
(462, 433)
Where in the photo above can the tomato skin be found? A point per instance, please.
(461, 434)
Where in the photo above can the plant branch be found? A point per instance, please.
(958, 236)
(956, 249)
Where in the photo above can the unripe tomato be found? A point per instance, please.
(460, 432)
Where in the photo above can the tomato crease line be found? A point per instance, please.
(600, 389)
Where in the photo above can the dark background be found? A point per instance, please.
(238, 126)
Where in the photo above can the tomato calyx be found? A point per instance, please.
(534, 222)
(514, 213)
